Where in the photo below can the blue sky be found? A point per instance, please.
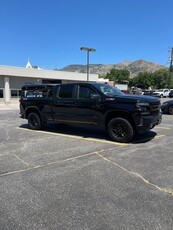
(51, 32)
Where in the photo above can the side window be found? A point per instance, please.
(34, 93)
(85, 92)
(37, 92)
(66, 91)
(30, 94)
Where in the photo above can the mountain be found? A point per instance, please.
(133, 67)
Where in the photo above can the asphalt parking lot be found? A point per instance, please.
(68, 177)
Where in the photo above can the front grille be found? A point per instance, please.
(154, 107)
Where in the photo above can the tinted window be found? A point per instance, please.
(34, 94)
(85, 92)
(43, 92)
(66, 91)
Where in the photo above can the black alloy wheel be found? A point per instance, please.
(34, 121)
(120, 130)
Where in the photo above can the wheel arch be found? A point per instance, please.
(121, 114)
(32, 110)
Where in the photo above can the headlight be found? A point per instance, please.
(142, 104)
(143, 107)
(165, 103)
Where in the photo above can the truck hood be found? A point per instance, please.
(142, 97)
(134, 98)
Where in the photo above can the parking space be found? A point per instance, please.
(68, 177)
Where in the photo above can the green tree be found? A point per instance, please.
(161, 78)
(157, 79)
(143, 80)
(118, 75)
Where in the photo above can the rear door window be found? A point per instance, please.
(66, 91)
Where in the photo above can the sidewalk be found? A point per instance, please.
(12, 105)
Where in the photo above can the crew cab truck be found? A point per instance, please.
(100, 105)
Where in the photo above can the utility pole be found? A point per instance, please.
(170, 68)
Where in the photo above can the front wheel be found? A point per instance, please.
(120, 130)
(34, 121)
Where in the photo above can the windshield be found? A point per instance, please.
(109, 90)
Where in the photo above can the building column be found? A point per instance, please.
(7, 93)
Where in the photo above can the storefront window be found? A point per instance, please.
(1, 93)
(15, 93)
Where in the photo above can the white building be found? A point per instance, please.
(13, 78)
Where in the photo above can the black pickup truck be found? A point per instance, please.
(101, 105)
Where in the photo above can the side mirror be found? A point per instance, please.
(95, 96)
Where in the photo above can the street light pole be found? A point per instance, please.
(88, 50)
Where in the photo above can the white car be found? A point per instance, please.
(161, 93)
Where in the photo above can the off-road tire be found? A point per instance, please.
(34, 121)
(120, 130)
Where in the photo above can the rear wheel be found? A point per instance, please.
(34, 121)
(120, 130)
(170, 110)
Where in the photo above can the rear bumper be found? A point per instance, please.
(22, 115)
(22, 112)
